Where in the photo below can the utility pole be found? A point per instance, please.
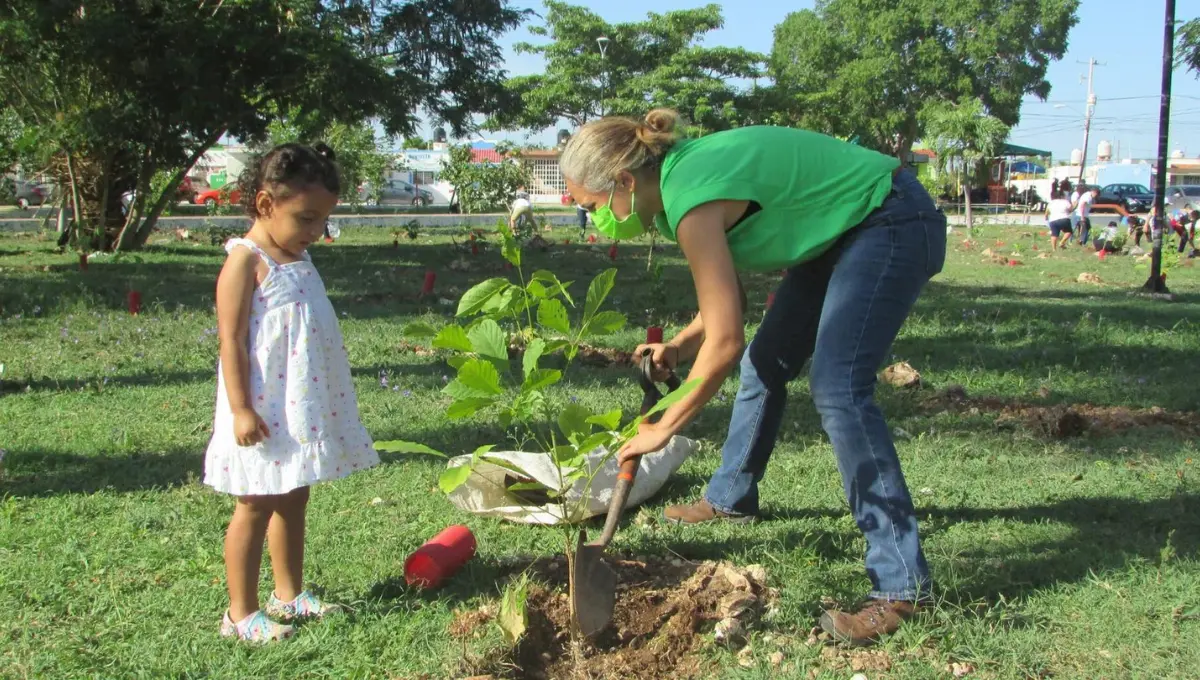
(602, 42)
(1091, 109)
(1157, 226)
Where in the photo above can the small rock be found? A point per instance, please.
(901, 433)
(1077, 478)
(1088, 277)
(377, 501)
(901, 374)
(730, 632)
(812, 641)
(757, 573)
(960, 670)
(445, 302)
(858, 676)
(736, 605)
(735, 577)
(824, 637)
(746, 657)
(926, 491)
(547, 657)
(776, 658)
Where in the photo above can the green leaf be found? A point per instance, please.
(476, 378)
(553, 315)
(529, 406)
(541, 378)
(595, 441)
(503, 302)
(453, 477)
(533, 354)
(597, 291)
(452, 337)
(514, 618)
(674, 397)
(606, 322)
(536, 289)
(556, 346)
(488, 340)
(467, 407)
(418, 329)
(554, 287)
(458, 360)
(573, 421)
(608, 421)
(406, 447)
(477, 453)
(511, 250)
(474, 300)
(527, 486)
(566, 456)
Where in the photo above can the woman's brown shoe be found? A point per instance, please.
(873, 619)
(701, 511)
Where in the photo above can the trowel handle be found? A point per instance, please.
(616, 506)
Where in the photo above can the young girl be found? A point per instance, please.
(286, 414)
(1058, 219)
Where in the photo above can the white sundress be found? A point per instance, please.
(299, 384)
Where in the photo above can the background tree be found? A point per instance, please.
(1189, 45)
(417, 143)
(123, 90)
(963, 135)
(656, 62)
(864, 70)
(485, 187)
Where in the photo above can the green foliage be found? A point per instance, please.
(656, 62)
(485, 187)
(1188, 45)
(864, 71)
(487, 381)
(119, 91)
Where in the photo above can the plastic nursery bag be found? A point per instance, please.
(491, 488)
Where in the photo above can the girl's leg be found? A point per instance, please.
(285, 539)
(243, 552)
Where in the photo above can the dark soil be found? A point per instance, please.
(665, 615)
(1064, 421)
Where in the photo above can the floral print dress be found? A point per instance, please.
(299, 384)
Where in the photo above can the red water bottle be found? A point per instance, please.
(440, 557)
(430, 277)
(654, 335)
(135, 302)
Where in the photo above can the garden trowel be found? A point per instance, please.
(593, 583)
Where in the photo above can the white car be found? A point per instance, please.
(1182, 195)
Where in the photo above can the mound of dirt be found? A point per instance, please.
(666, 614)
(1064, 421)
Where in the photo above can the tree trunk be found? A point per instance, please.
(139, 238)
(966, 187)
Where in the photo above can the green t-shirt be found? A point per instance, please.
(811, 189)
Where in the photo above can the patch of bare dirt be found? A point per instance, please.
(667, 611)
(1063, 421)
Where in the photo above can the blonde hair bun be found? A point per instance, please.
(603, 148)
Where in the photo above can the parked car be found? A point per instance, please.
(210, 198)
(1183, 195)
(1134, 198)
(24, 194)
(395, 191)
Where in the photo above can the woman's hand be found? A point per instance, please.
(664, 355)
(651, 437)
(248, 427)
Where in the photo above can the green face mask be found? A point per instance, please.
(608, 224)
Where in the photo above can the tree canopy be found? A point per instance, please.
(866, 70)
(119, 90)
(1189, 45)
(656, 62)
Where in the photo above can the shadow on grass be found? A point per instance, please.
(51, 473)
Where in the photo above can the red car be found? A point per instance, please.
(214, 197)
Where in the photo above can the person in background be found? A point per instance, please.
(1136, 228)
(1058, 219)
(1106, 238)
(521, 219)
(1081, 215)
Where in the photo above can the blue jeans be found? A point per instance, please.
(843, 310)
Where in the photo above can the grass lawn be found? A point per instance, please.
(1065, 557)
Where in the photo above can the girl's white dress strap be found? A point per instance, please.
(253, 247)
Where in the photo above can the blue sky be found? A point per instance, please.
(1126, 88)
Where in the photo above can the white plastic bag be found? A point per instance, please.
(484, 491)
